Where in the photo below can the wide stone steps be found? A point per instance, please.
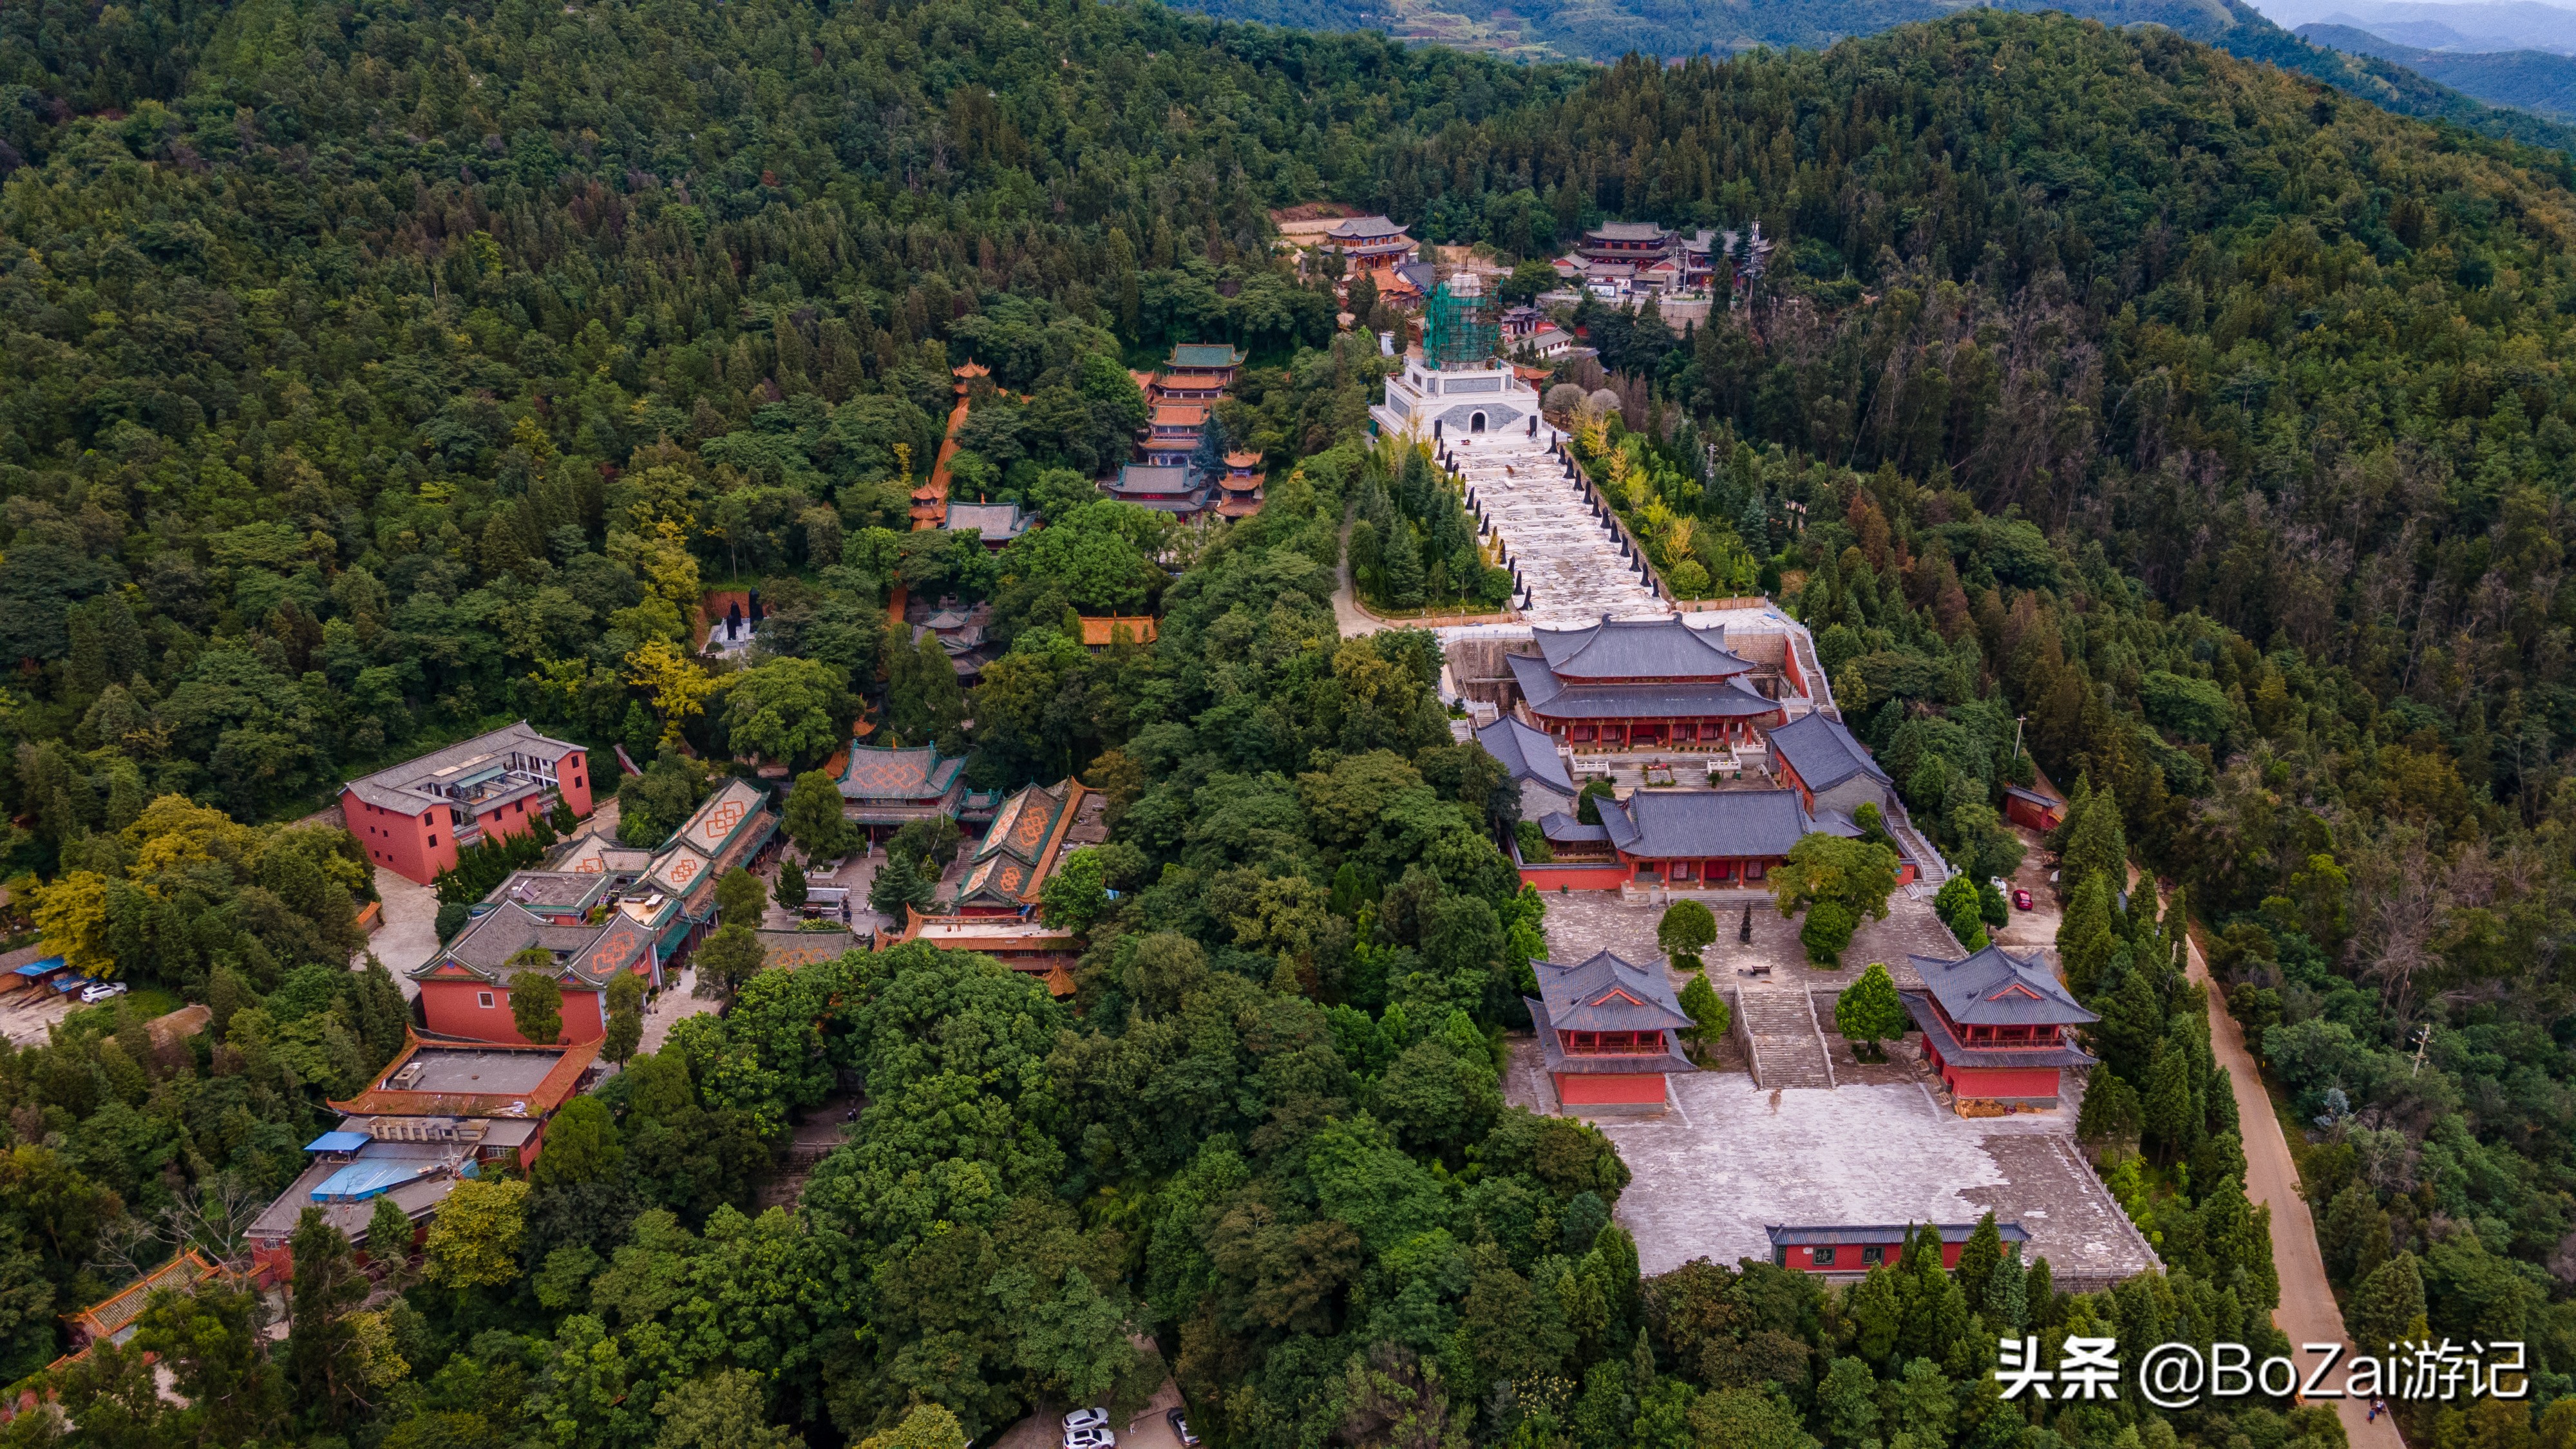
(1788, 1050)
(1570, 565)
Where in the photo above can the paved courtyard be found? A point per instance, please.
(1731, 1158)
(1580, 923)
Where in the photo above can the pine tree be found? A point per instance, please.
(2354, 1234)
(2166, 1110)
(2004, 1303)
(322, 1349)
(1400, 562)
(2383, 1310)
(2096, 847)
(790, 890)
(2084, 939)
(1979, 1256)
(1869, 1011)
(898, 884)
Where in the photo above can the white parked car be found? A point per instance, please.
(1090, 1439)
(102, 990)
(1080, 1419)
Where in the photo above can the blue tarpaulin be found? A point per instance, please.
(360, 1181)
(338, 1142)
(70, 984)
(46, 967)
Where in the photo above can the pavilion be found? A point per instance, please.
(885, 789)
(1606, 1028)
(1994, 1027)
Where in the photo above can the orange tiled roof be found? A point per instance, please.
(1104, 631)
(105, 1319)
(1180, 415)
(919, 773)
(1242, 460)
(1238, 507)
(539, 1102)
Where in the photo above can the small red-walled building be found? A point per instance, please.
(2031, 809)
(1995, 1027)
(1857, 1250)
(414, 817)
(1606, 1028)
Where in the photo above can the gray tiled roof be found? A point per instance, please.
(1560, 828)
(1823, 752)
(1146, 478)
(1616, 649)
(1606, 993)
(1996, 988)
(398, 787)
(1629, 231)
(1918, 1005)
(990, 521)
(1529, 754)
(1706, 824)
(589, 954)
(1552, 697)
(1364, 228)
(1561, 1062)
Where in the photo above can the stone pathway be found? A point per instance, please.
(1788, 1050)
(1569, 563)
(409, 935)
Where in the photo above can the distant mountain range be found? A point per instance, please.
(2475, 25)
(2533, 80)
(1608, 29)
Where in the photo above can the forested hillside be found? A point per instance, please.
(2534, 80)
(2475, 93)
(377, 374)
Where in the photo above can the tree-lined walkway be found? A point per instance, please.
(2308, 1313)
(930, 500)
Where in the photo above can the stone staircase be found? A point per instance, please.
(1788, 1047)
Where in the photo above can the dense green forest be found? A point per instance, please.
(2499, 96)
(376, 374)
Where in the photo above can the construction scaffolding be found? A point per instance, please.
(1459, 327)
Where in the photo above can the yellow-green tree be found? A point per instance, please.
(475, 1241)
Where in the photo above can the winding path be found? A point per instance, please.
(1352, 620)
(2308, 1313)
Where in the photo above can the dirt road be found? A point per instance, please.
(2307, 1312)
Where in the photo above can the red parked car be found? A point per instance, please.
(2021, 899)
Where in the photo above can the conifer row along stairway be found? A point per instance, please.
(1788, 1047)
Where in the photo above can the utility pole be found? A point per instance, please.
(2017, 719)
(2423, 1034)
